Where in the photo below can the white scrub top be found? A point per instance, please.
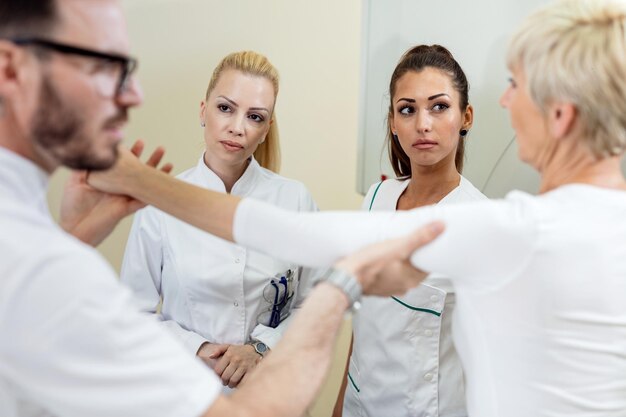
(403, 360)
(213, 290)
(72, 343)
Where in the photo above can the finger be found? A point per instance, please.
(421, 237)
(218, 350)
(135, 205)
(228, 373)
(245, 378)
(77, 177)
(221, 365)
(167, 168)
(156, 157)
(137, 148)
(236, 378)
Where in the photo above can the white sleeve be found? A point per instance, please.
(73, 342)
(307, 277)
(483, 242)
(142, 272)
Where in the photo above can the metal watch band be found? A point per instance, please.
(259, 347)
(348, 284)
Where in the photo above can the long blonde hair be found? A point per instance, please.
(249, 62)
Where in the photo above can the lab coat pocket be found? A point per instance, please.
(352, 401)
(278, 293)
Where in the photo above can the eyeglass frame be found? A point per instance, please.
(279, 303)
(128, 64)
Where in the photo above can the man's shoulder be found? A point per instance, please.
(32, 243)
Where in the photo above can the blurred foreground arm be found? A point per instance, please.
(287, 381)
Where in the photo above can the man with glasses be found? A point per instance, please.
(71, 343)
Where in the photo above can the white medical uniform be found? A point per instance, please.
(540, 317)
(403, 360)
(72, 344)
(213, 290)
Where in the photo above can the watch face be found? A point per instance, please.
(260, 347)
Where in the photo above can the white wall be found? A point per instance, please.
(315, 46)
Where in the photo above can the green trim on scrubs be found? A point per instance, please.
(352, 382)
(425, 310)
(374, 196)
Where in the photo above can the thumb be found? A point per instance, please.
(218, 350)
(422, 236)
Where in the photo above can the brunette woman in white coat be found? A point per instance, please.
(225, 303)
(403, 361)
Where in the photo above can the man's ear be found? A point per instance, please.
(561, 119)
(10, 58)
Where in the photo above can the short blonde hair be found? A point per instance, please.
(253, 63)
(575, 51)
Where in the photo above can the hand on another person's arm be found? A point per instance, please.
(273, 388)
(91, 214)
(385, 268)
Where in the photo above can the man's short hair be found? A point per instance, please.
(26, 18)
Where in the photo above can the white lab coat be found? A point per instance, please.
(403, 360)
(211, 289)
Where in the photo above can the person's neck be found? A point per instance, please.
(578, 165)
(428, 185)
(229, 174)
(11, 139)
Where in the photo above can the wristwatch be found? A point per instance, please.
(260, 348)
(348, 284)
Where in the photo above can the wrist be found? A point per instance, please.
(259, 347)
(341, 277)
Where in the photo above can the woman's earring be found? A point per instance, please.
(202, 124)
(395, 137)
(463, 132)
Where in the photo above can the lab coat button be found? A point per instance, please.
(428, 332)
(428, 377)
(236, 304)
(237, 261)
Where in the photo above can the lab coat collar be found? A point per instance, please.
(21, 180)
(242, 187)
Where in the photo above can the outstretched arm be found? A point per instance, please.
(476, 230)
(205, 209)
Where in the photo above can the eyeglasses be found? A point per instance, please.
(113, 71)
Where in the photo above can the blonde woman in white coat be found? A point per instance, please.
(403, 361)
(225, 303)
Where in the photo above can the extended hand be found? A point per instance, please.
(127, 165)
(384, 268)
(90, 214)
(236, 363)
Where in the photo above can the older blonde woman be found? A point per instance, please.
(540, 280)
